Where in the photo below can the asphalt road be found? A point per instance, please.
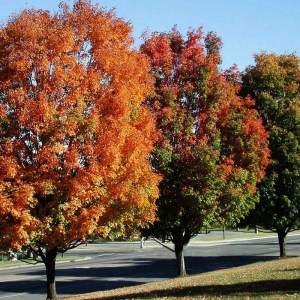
(116, 265)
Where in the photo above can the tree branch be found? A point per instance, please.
(159, 242)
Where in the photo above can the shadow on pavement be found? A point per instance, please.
(83, 280)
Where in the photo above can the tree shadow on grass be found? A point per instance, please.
(197, 265)
(250, 289)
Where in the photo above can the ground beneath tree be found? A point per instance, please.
(277, 279)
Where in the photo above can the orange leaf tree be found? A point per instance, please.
(213, 149)
(75, 137)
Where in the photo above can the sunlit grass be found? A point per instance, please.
(30, 261)
(242, 234)
(276, 279)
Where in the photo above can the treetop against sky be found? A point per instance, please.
(246, 27)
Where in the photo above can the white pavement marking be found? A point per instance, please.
(105, 254)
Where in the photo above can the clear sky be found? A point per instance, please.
(245, 26)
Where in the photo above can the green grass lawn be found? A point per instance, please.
(276, 279)
(4, 264)
(242, 234)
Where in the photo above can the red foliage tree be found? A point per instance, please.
(75, 137)
(213, 149)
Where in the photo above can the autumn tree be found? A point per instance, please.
(75, 137)
(213, 149)
(274, 82)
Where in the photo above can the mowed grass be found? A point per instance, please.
(27, 261)
(276, 279)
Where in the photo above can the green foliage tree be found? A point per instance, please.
(274, 83)
(213, 148)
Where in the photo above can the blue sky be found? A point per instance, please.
(245, 26)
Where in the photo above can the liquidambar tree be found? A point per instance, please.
(213, 149)
(75, 137)
(274, 82)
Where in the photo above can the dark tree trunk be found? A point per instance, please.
(282, 243)
(50, 272)
(180, 259)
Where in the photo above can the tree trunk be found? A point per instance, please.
(180, 260)
(282, 243)
(50, 272)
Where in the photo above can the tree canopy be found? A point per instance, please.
(213, 149)
(274, 82)
(75, 137)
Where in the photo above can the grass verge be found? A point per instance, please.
(215, 235)
(4, 264)
(276, 279)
